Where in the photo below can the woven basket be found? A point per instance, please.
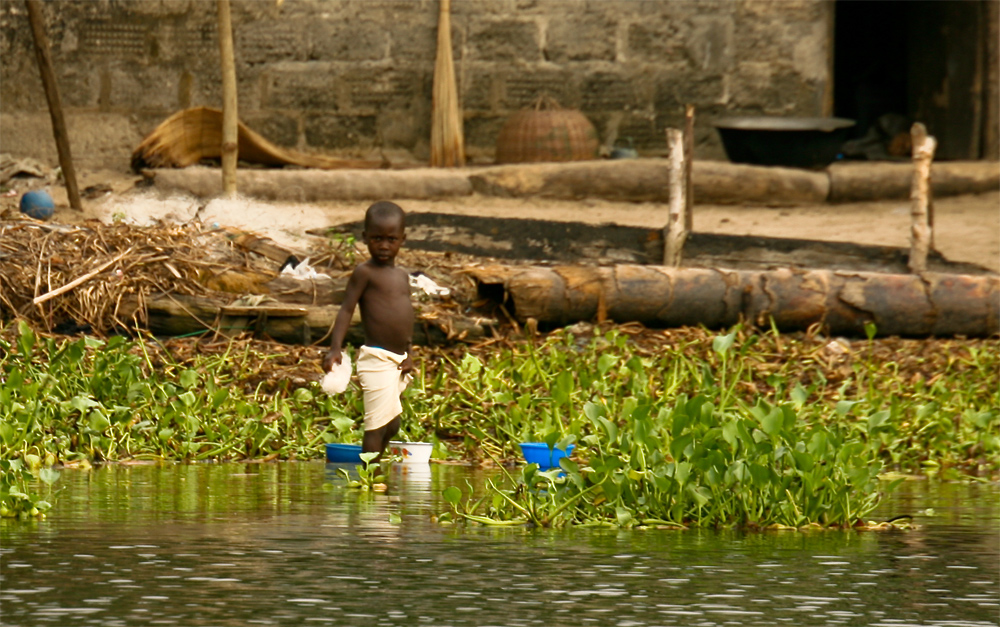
(546, 132)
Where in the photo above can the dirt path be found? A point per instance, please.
(967, 228)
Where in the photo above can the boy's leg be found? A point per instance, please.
(391, 430)
(376, 440)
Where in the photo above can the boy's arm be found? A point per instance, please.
(352, 294)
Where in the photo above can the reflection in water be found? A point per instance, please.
(285, 544)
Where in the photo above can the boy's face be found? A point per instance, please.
(384, 238)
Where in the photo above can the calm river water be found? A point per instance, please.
(286, 544)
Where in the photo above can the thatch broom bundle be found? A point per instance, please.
(447, 144)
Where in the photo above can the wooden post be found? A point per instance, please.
(921, 211)
(675, 232)
(688, 164)
(230, 115)
(44, 58)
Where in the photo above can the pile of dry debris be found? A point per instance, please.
(179, 280)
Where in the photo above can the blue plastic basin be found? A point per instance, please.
(343, 453)
(540, 453)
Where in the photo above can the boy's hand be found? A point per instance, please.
(332, 357)
(407, 366)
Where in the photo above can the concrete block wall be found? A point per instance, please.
(355, 77)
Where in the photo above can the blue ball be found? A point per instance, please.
(37, 204)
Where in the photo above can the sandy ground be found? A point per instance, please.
(967, 228)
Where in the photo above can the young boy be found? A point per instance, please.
(383, 291)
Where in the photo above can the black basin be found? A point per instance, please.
(792, 142)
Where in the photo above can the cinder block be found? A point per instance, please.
(481, 91)
(118, 38)
(522, 88)
(273, 40)
(481, 134)
(778, 91)
(653, 42)
(355, 40)
(608, 91)
(154, 89)
(709, 43)
(644, 131)
(404, 128)
(302, 86)
(581, 37)
(414, 41)
(367, 90)
(79, 87)
(340, 131)
(674, 90)
(504, 40)
(277, 128)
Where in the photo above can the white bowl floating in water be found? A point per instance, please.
(412, 452)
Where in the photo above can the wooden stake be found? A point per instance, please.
(921, 211)
(688, 162)
(675, 232)
(230, 115)
(44, 58)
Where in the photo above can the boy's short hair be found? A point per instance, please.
(384, 210)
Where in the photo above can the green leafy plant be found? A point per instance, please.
(371, 474)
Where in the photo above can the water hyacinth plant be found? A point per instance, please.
(705, 460)
(617, 391)
(694, 464)
(89, 400)
(919, 405)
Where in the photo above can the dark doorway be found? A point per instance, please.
(914, 60)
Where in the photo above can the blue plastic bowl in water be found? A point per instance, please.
(343, 453)
(540, 453)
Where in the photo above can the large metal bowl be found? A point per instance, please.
(791, 142)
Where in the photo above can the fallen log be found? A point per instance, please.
(862, 181)
(721, 183)
(317, 185)
(842, 303)
(321, 289)
(713, 182)
(577, 242)
(179, 314)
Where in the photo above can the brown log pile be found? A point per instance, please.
(177, 315)
(841, 303)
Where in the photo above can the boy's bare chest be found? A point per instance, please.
(389, 283)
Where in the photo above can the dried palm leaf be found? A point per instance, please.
(188, 136)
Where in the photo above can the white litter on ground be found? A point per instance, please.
(301, 271)
(422, 282)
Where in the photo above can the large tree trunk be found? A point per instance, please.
(841, 302)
